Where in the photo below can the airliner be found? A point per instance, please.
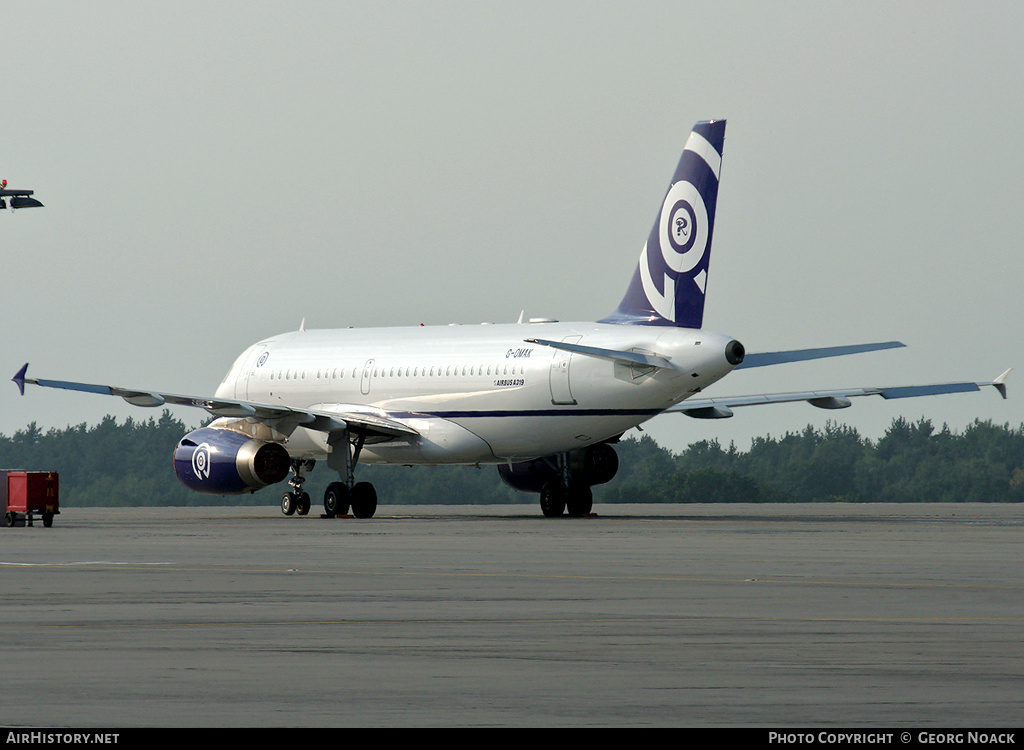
(544, 401)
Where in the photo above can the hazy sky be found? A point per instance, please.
(214, 172)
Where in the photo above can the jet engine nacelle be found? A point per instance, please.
(222, 462)
(595, 464)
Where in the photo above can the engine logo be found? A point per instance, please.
(201, 461)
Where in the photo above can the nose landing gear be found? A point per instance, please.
(296, 500)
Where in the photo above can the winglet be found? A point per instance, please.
(1000, 383)
(19, 378)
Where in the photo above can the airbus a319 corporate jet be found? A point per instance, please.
(544, 401)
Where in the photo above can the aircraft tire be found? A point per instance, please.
(302, 503)
(364, 500)
(336, 499)
(552, 500)
(579, 501)
(288, 504)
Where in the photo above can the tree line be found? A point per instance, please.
(129, 464)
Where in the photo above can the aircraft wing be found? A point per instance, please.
(286, 417)
(720, 408)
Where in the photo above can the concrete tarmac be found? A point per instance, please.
(770, 616)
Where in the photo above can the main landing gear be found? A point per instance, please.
(362, 498)
(568, 488)
(564, 480)
(340, 496)
(556, 499)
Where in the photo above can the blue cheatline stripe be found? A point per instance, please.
(485, 413)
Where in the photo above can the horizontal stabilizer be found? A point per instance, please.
(632, 358)
(764, 359)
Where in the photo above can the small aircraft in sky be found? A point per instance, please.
(544, 401)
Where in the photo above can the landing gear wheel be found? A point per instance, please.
(288, 504)
(364, 500)
(552, 500)
(579, 501)
(302, 503)
(336, 500)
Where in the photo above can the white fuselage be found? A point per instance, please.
(477, 393)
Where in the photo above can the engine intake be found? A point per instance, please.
(595, 464)
(222, 462)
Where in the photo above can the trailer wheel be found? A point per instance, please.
(9, 518)
(47, 520)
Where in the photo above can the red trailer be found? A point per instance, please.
(27, 493)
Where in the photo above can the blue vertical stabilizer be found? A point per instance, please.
(670, 281)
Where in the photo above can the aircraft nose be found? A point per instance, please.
(734, 352)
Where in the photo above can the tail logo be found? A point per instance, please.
(670, 282)
(683, 241)
(682, 228)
